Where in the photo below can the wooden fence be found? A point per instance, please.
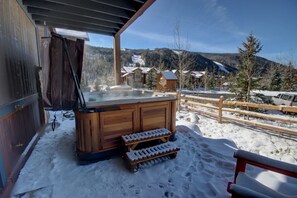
(218, 104)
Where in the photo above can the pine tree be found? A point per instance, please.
(150, 81)
(206, 79)
(245, 80)
(288, 78)
(162, 66)
(275, 80)
(211, 82)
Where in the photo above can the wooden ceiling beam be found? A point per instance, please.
(93, 6)
(72, 10)
(69, 22)
(143, 8)
(72, 17)
(126, 5)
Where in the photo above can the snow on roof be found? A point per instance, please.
(198, 74)
(130, 69)
(73, 34)
(144, 70)
(184, 72)
(221, 67)
(126, 74)
(169, 75)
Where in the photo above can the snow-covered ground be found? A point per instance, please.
(202, 168)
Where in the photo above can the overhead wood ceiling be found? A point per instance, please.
(108, 17)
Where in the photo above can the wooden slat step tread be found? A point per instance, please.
(130, 138)
(151, 152)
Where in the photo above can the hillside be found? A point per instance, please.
(233, 60)
(167, 57)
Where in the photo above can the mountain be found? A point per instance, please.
(233, 60)
(213, 62)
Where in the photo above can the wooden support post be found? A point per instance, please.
(220, 109)
(117, 59)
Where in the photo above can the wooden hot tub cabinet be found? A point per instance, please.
(98, 130)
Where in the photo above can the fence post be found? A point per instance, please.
(220, 109)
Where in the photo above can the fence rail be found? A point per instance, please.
(194, 101)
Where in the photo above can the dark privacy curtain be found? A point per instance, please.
(59, 91)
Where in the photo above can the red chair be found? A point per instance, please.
(246, 186)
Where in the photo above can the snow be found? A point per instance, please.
(73, 33)
(202, 168)
(198, 74)
(137, 59)
(221, 67)
(120, 88)
(130, 70)
(177, 52)
(272, 93)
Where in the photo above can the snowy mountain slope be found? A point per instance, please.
(221, 67)
(137, 59)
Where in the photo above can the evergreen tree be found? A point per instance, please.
(162, 66)
(245, 80)
(211, 82)
(288, 78)
(150, 80)
(206, 79)
(275, 80)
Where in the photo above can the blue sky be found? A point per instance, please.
(217, 26)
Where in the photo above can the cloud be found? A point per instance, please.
(169, 40)
(166, 39)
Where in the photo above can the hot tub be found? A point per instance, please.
(110, 115)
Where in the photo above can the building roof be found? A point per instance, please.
(130, 69)
(184, 72)
(108, 17)
(169, 75)
(198, 74)
(144, 70)
(127, 74)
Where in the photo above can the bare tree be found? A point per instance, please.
(184, 61)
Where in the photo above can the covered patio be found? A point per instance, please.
(106, 17)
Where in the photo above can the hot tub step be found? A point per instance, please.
(132, 140)
(135, 157)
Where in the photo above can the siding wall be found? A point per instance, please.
(19, 110)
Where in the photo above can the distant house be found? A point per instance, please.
(137, 77)
(166, 81)
(188, 76)
(192, 79)
(197, 79)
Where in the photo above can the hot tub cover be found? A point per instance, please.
(59, 91)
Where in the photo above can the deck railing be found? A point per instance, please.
(192, 102)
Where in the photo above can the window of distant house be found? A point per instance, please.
(162, 80)
(137, 76)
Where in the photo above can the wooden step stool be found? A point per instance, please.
(135, 157)
(132, 140)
